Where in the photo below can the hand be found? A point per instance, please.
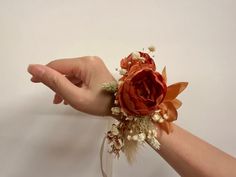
(77, 82)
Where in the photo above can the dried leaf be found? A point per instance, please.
(171, 111)
(177, 103)
(130, 150)
(164, 74)
(174, 90)
(165, 126)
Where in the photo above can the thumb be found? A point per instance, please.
(58, 83)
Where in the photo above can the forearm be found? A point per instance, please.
(192, 157)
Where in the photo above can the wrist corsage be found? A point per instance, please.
(143, 102)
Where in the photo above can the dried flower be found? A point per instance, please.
(115, 110)
(152, 48)
(110, 86)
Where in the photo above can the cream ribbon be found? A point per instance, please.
(101, 157)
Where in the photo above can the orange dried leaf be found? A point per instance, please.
(166, 127)
(172, 114)
(174, 90)
(177, 103)
(164, 74)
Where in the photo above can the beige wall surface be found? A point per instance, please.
(195, 40)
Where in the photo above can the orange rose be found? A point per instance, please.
(142, 90)
(137, 57)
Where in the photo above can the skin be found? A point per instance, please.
(77, 82)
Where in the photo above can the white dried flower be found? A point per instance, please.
(156, 117)
(152, 133)
(154, 143)
(118, 144)
(135, 137)
(110, 86)
(115, 110)
(114, 130)
(165, 116)
(110, 134)
(161, 120)
(152, 48)
(135, 55)
(141, 137)
(120, 83)
(116, 102)
(123, 71)
(129, 137)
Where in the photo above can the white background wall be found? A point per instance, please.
(196, 40)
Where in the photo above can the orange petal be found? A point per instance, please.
(164, 74)
(171, 111)
(177, 103)
(166, 126)
(174, 90)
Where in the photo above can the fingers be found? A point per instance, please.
(57, 99)
(58, 83)
(66, 66)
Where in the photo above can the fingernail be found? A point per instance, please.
(36, 70)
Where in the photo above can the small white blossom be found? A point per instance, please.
(135, 55)
(110, 86)
(123, 71)
(152, 133)
(129, 137)
(135, 137)
(114, 129)
(152, 48)
(120, 83)
(115, 110)
(156, 117)
(155, 143)
(165, 116)
(141, 137)
(118, 144)
(161, 120)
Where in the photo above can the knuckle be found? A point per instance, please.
(95, 59)
(54, 82)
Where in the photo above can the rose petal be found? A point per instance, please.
(174, 90)
(128, 102)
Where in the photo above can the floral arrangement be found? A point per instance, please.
(143, 102)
